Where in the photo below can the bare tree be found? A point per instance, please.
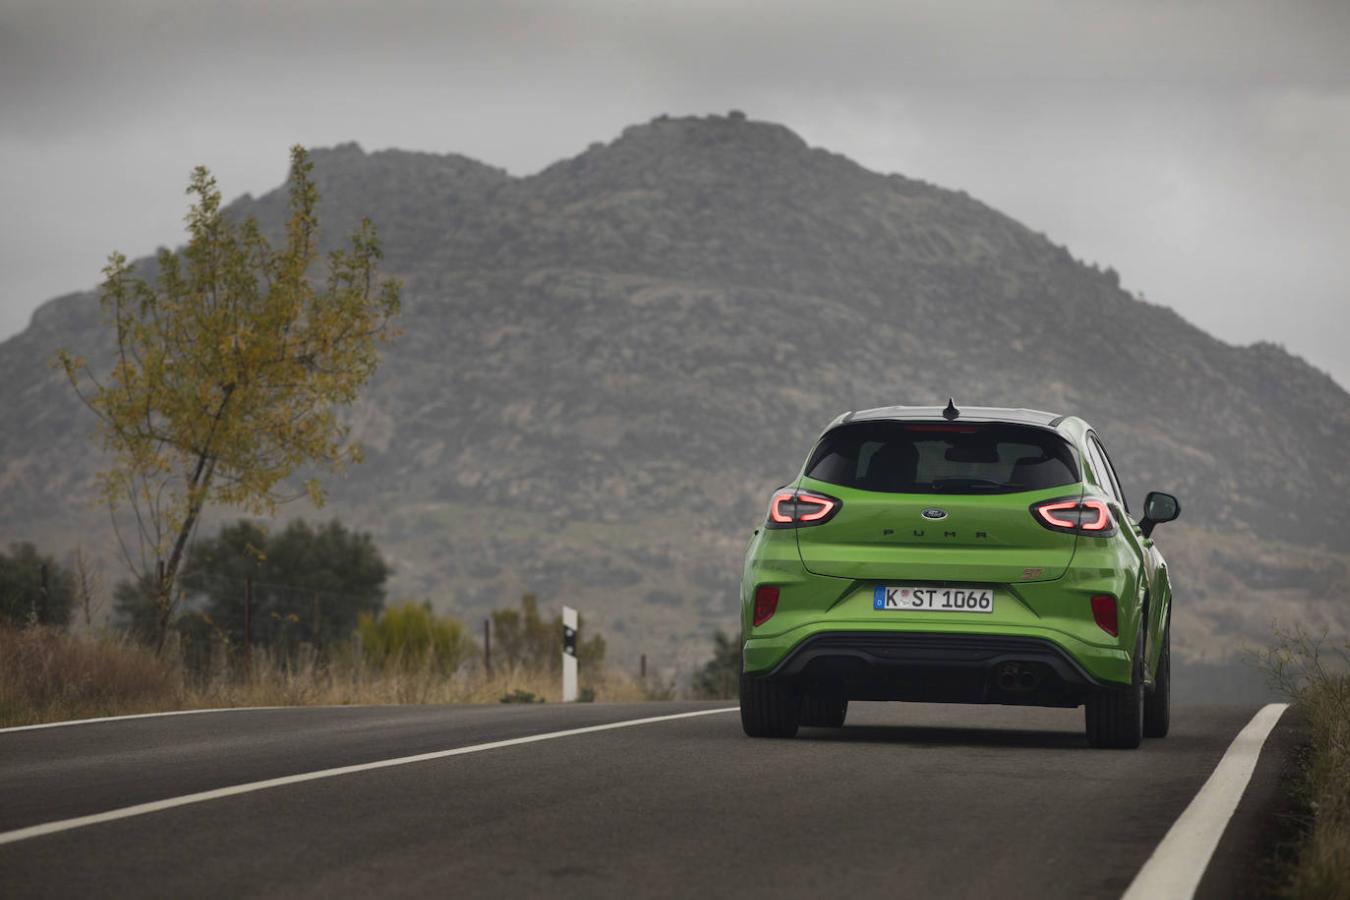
(88, 587)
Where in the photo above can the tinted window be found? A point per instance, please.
(900, 457)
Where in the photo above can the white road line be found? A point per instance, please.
(140, 809)
(175, 712)
(1174, 870)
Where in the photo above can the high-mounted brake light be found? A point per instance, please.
(1104, 612)
(791, 508)
(766, 603)
(1088, 516)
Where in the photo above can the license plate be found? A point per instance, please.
(902, 598)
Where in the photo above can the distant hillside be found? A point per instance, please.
(608, 365)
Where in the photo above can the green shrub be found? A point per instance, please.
(719, 678)
(411, 636)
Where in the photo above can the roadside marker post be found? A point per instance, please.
(569, 658)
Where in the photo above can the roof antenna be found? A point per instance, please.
(951, 412)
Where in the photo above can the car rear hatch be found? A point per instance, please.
(941, 502)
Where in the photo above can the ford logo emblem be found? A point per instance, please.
(933, 512)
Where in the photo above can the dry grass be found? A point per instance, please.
(1318, 680)
(49, 676)
(1324, 865)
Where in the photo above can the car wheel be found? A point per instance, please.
(769, 708)
(823, 711)
(1158, 702)
(1115, 716)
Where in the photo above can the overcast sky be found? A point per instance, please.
(1202, 149)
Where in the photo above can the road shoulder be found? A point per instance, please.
(1249, 860)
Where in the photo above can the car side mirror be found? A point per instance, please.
(1158, 508)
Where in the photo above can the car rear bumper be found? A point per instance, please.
(937, 650)
(1016, 668)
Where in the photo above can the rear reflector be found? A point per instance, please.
(1104, 611)
(766, 603)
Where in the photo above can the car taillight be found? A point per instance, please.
(766, 603)
(791, 508)
(1075, 515)
(1104, 612)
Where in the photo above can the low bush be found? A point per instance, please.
(1317, 678)
(411, 636)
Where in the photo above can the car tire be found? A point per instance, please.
(769, 708)
(823, 711)
(1158, 701)
(1115, 716)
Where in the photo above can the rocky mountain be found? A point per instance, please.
(607, 366)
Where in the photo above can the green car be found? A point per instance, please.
(957, 556)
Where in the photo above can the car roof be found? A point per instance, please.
(967, 414)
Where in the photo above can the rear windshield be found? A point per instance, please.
(919, 458)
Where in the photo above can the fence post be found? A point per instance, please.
(569, 654)
(642, 670)
(248, 625)
(161, 607)
(40, 612)
(314, 635)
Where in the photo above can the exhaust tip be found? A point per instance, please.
(1015, 677)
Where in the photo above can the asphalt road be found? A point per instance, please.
(905, 801)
